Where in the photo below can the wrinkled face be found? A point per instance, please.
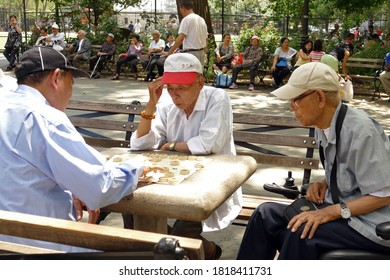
(54, 30)
(185, 96)
(109, 39)
(156, 37)
(304, 107)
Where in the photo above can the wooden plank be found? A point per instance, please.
(105, 107)
(103, 124)
(7, 247)
(275, 139)
(260, 119)
(85, 235)
(358, 65)
(283, 161)
(366, 60)
(106, 142)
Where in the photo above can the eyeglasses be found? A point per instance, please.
(294, 101)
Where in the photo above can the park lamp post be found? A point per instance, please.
(223, 17)
(305, 22)
(25, 20)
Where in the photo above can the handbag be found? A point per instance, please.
(346, 90)
(223, 80)
(282, 62)
(298, 206)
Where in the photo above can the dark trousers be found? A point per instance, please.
(266, 233)
(132, 59)
(160, 65)
(10, 55)
(280, 73)
(252, 71)
(93, 60)
(149, 64)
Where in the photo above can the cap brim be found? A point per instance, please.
(179, 78)
(77, 73)
(288, 92)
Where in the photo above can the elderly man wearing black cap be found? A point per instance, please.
(353, 197)
(45, 162)
(193, 119)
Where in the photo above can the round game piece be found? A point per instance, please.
(169, 174)
(173, 156)
(175, 162)
(117, 158)
(200, 158)
(191, 157)
(199, 165)
(163, 179)
(173, 181)
(184, 172)
(182, 157)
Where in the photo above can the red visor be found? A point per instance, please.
(179, 78)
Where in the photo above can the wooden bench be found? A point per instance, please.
(103, 124)
(280, 141)
(120, 243)
(374, 67)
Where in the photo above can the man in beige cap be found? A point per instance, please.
(350, 205)
(194, 119)
(154, 51)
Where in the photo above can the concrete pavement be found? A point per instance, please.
(259, 101)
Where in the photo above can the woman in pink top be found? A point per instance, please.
(317, 52)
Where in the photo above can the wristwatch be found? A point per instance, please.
(344, 211)
(172, 146)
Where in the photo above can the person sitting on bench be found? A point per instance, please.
(353, 197)
(154, 51)
(106, 52)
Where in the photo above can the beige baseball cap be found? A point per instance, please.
(312, 75)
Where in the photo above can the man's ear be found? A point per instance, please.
(55, 77)
(321, 97)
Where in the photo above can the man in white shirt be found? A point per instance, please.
(56, 39)
(192, 32)
(196, 119)
(154, 51)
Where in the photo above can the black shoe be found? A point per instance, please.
(9, 68)
(146, 79)
(153, 76)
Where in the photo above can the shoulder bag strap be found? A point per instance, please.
(334, 190)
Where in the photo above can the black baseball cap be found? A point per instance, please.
(40, 58)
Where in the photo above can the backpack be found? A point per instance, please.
(223, 80)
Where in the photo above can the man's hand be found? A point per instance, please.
(155, 91)
(312, 219)
(93, 214)
(316, 192)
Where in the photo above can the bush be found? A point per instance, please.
(377, 51)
